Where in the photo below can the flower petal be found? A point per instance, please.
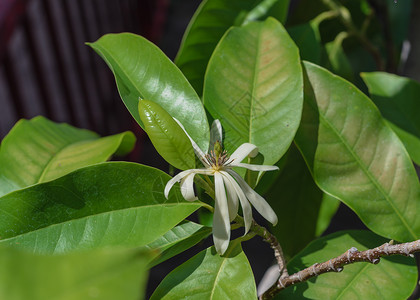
(256, 200)
(232, 199)
(243, 151)
(246, 207)
(216, 134)
(254, 167)
(198, 152)
(221, 223)
(187, 187)
(181, 175)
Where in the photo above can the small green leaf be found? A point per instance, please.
(110, 204)
(143, 71)
(306, 37)
(393, 278)
(254, 86)
(166, 135)
(210, 22)
(355, 157)
(210, 276)
(105, 274)
(39, 150)
(338, 60)
(178, 239)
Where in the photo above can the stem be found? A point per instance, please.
(345, 18)
(336, 264)
(208, 188)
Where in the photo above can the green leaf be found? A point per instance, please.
(210, 22)
(166, 135)
(329, 206)
(109, 204)
(306, 37)
(210, 276)
(338, 60)
(143, 71)
(178, 239)
(254, 86)
(106, 274)
(298, 200)
(39, 150)
(355, 157)
(393, 278)
(411, 142)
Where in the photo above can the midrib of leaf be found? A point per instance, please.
(368, 173)
(50, 160)
(351, 281)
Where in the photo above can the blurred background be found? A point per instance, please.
(46, 69)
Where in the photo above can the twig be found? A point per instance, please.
(336, 264)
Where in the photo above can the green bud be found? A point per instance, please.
(217, 148)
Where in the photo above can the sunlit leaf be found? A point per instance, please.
(39, 150)
(356, 157)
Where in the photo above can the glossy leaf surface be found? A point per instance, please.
(254, 86)
(210, 276)
(105, 274)
(143, 71)
(356, 157)
(211, 20)
(393, 278)
(40, 150)
(178, 239)
(109, 204)
(166, 135)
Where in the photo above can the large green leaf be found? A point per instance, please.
(167, 136)
(143, 71)
(101, 274)
(178, 239)
(356, 157)
(295, 197)
(210, 276)
(39, 150)
(110, 204)
(254, 86)
(208, 25)
(398, 99)
(393, 278)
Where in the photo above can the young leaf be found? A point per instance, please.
(210, 276)
(254, 86)
(393, 278)
(105, 274)
(355, 157)
(178, 239)
(110, 204)
(40, 150)
(168, 138)
(141, 70)
(210, 22)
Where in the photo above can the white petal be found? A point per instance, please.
(198, 152)
(254, 167)
(256, 200)
(246, 207)
(181, 175)
(187, 187)
(232, 199)
(221, 223)
(216, 134)
(243, 151)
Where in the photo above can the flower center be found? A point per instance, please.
(218, 160)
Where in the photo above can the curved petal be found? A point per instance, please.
(216, 134)
(256, 200)
(181, 175)
(254, 167)
(198, 152)
(244, 150)
(187, 187)
(221, 223)
(232, 199)
(246, 207)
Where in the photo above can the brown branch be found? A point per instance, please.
(336, 264)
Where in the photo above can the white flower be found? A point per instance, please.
(229, 185)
